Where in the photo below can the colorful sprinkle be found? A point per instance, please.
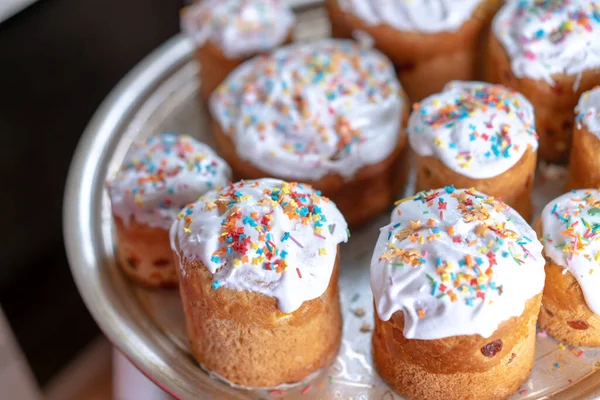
(549, 37)
(163, 174)
(498, 121)
(314, 125)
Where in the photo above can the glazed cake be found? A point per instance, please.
(158, 177)
(457, 279)
(258, 266)
(475, 134)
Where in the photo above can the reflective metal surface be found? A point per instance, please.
(161, 95)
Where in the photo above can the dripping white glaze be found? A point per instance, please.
(476, 129)
(285, 244)
(445, 237)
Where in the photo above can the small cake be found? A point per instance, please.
(550, 52)
(457, 279)
(158, 177)
(475, 134)
(570, 227)
(584, 164)
(430, 42)
(228, 32)
(258, 267)
(329, 113)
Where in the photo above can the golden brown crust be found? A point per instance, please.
(429, 76)
(371, 191)
(564, 313)
(584, 165)
(425, 62)
(215, 67)
(144, 254)
(339, 26)
(243, 337)
(513, 186)
(456, 367)
(554, 105)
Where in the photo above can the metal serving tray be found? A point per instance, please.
(160, 94)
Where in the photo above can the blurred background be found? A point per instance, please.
(60, 58)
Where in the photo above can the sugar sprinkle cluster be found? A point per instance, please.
(450, 254)
(471, 277)
(581, 16)
(578, 216)
(266, 252)
(312, 105)
(325, 71)
(475, 128)
(550, 37)
(161, 175)
(155, 166)
(268, 236)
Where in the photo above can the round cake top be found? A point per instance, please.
(543, 38)
(426, 16)
(161, 175)
(240, 28)
(476, 129)
(571, 229)
(267, 236)
(455, 262)
(308, 110)
(588, 111)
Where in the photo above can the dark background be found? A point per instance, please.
(58, 60)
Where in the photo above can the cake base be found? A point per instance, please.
(554, 105)
(455, 367)
(244, 338)
(144, 254)
(425, 62)
(584, 165)
(513, 186)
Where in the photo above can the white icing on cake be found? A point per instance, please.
(309, 110)
(240, 28)
(571, 229)
(161, 175)
(427, 16)
(543, 38)
(476, 129)
(266, 236)
(455, 262)
(588, 111)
